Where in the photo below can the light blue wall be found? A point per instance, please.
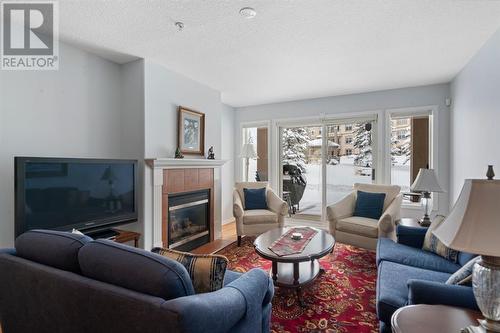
(475, 117)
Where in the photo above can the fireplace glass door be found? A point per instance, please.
(188, 219)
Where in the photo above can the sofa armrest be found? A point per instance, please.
(219, 311)
(341, 209)
(430, 292)
(276, 204)
(411, 236)
(238, 210)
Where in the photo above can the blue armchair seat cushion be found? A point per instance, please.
(389, 250)
(392, 286)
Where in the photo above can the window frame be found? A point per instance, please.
(240, 175)
(432, 112)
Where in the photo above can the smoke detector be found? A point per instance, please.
(179, 26)
(248, 12)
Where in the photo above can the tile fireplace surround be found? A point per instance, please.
(185, 175)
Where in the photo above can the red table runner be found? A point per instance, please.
(285, 245)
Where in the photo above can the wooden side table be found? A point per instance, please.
(433, 319)
(409, 222)
(126, 236)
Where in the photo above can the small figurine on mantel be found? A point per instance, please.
(211, 155)
(178, 153)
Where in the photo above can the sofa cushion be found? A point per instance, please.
(465, 257)
(389, 250)
(369, 205)
(392, 288)
(255, 198)
(52, 248)
(434, 245)
(464, 275)
(205, 270)
(359, 225)
(135, 269)
(259, 216)
(231, 276)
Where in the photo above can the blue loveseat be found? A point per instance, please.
(409, 275)
(62, 282)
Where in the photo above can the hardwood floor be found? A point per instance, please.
(229, 234)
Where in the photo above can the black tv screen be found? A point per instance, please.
(66, 193)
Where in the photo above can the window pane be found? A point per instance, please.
(257, 138)
(401, 153)
(410, 144)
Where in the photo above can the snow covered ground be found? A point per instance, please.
(339, 181)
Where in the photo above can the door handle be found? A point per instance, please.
(373, 174)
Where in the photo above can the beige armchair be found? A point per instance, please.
(257, 221)
(360, 231)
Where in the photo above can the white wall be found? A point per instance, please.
(164, 92)
(379, 101)
(228, 147)
(475, 117)
(72, 112)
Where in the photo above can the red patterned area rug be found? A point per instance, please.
(340, 300)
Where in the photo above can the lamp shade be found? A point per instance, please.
(426, 181)
(248, 151)
(473, 225)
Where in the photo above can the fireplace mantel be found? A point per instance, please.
(159, 166)
(172, 163)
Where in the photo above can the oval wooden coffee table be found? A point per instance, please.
(295, 270)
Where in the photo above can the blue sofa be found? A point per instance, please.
(409, 275)
(62, 282)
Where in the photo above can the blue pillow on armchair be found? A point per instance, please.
(370, 205)
(255, 198)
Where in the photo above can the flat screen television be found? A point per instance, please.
(66, 193)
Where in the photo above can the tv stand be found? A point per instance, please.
(117, 235)
(106, 234)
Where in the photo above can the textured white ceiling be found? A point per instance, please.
(292, 49)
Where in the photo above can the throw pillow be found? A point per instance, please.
(434, 245)
(206, 271)
(464, 275)
(369, 205)
(255, 198)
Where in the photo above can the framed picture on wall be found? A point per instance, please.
(191, 131)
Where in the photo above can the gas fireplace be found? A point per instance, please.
(188, 220)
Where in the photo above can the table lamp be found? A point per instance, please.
(248, 152)
(473, 226)
(425, 183)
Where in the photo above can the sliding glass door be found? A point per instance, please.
(321, 162)
(351, 150)
(301, 174)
